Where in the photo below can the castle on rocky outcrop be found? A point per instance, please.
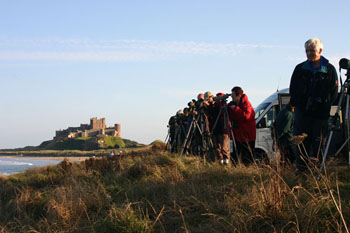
(96, 126)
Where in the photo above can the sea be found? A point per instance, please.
(10, 166)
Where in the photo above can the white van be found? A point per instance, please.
(265, 115)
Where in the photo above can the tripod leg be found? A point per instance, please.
(174, 142)
(167, 139)
(200, 144)
(342, 146)
(347, 125)
(235, 151)
(326, 151)
(216, 121)
(186, 139)
(202, 128)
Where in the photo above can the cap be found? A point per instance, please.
(207, 95)
(220, 94)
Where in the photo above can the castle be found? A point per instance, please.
(96, 126)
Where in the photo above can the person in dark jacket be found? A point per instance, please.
(242, 115)
(313, 89)
(284, 132)
(172, 127)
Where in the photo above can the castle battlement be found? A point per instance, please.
(96, 127)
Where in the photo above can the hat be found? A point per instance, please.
(220, 94)
(180, 112)
(207, 95)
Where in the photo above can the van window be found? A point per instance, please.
(268, 119)
(260, 109)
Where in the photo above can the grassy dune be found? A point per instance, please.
(152, 191)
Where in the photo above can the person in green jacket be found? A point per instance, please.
(284, 132)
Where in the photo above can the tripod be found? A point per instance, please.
(202, 128)
(345, 92)
(179, 135)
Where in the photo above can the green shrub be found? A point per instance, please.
(114, 142)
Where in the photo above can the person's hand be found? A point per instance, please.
(231, 105)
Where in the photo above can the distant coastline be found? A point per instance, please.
(12, 164)
(54, 153)
(46, 157)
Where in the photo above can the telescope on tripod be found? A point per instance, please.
(344, 94)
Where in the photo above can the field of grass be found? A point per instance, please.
(153, 191)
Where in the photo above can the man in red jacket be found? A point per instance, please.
(242, 115)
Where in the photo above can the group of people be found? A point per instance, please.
(206, 126)
(210, 122)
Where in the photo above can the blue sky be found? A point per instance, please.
(137, 62)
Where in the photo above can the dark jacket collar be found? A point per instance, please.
(322, 68)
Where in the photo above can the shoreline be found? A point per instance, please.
(60, 158)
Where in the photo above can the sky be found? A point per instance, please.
(137, 62)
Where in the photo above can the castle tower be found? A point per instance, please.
(103, 123)
(117, 129)
(93, 123)
(97, 123)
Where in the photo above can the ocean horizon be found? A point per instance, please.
(9, 166)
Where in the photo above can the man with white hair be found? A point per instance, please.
(313, 88)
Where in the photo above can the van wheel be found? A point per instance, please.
(261, 157)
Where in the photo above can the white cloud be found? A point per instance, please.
(113, 50)
(79, 56)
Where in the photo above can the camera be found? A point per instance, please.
(195, 105)
(199, 104)
(223, 97)
(344, 63)
(192, 104)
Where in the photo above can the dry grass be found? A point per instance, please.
(152, 191)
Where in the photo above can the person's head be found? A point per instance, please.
(236, 94)
(186, 111)
(313, 49)
(291, 106)
(180, 112)
(200, 96)
(208, 96)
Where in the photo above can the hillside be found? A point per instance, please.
(153, 191)
(83, 144)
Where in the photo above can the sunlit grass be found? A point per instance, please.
(152, 191)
